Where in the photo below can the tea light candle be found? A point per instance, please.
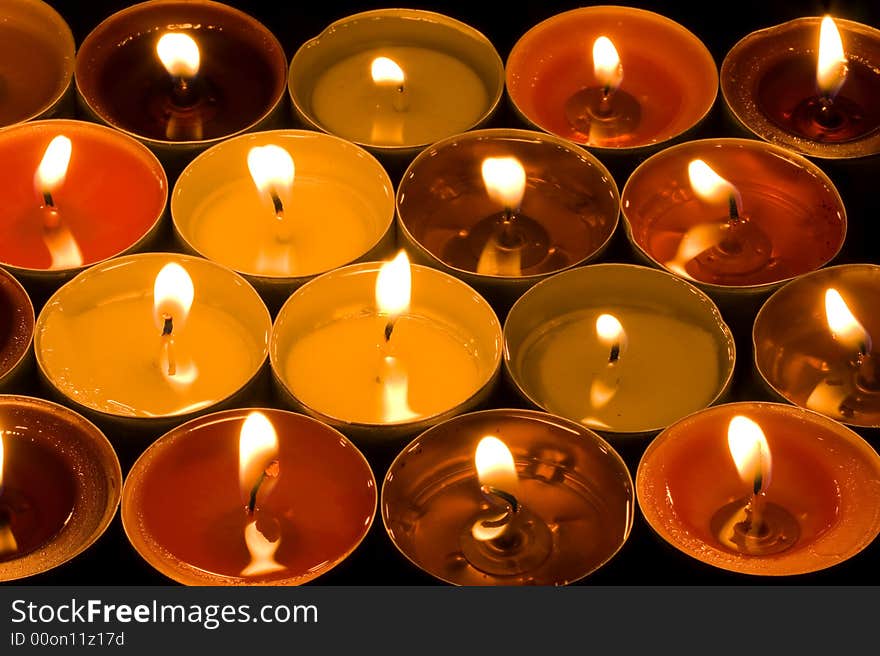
(595, 344)
(735, 216)
(611, 78)
(810, 87)
(396, 80)
(181, 75)
(503, 209)
(60, 482)
(74, 194)
(762, 489)
(248, 497)
(281, 207)
(814, 343)
(36, 61)
(508, 497)
(384, 350)
(16, 332)
(146, 341)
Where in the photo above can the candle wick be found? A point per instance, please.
(733, 207)
(277, 205)
(614, 356)
(48, 201)
(389, 329)
(399, 102)
(271, 471)
(506, 499)
(183, 91)
(168, 343)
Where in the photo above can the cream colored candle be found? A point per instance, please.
(100, 338)
(329, 349)
(336, 204)
(444, 97)
(619, 348)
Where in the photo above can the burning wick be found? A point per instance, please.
(831, 65)
(51, 173)
(257, 456)
(608, 70)
(612, 335)
(393, 290)
(180, 56)
(498, 484)
(272, 170)
(847, 330)
(711, 187)
(751, 455)
(387, 72)
(173, 294)
(271, 471)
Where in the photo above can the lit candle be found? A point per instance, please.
(646, 81)
(595, 343)
(16, 333)
(384, 349)
(314, 202)
(810, 84)
(147, 340)
(478, 206)
(704, 485)
(737, 217)
(248, 497)
(396, 80)
(36, 62)
(74, 194)
(184, 73)
(824, 360)
(60, 482)
(508, 497)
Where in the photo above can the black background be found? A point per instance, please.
(644, 559)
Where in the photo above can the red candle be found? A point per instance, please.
(761, 488)
(216, 502)
(60, 482)
(101, 195)
(655, 80)
(16, 330)
(36, 61)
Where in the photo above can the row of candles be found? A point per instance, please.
(372, 352)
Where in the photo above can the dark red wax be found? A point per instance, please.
(16, 322)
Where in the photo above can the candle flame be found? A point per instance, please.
(609, 329)
(395, 392)
(495, 466)
(179, 54)
(173, 295)
(750, 451)
(271, 168)
(53, 167)
(606, 63)
(831, 66)
(257, 448)
(707, 184)
(505, 180)
(394, 286)
(262, 552)
(845, 328)
(387, 71)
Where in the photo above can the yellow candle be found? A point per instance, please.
(346, 354)
(619, 348)
(444, 97)
(101, 341)
(337, 205)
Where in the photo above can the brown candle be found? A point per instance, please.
(16, 331)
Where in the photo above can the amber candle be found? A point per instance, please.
(74, 194)
(508, 497)
(814, 343)
(16, 332)
(61, 483)
(653, 83)
(202, 514)
(735, 216)
(36, 61)
(815, 505)
(225, 74)
(546, 206)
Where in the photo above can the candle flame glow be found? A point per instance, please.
(845, 328)
(271, 168)
(385, 70)
(707, 184)
(831, 67)
(179, 54)
(63, 249)
(505, 180)
(495, 466)
(606, 63)
(257, 448)
(53, 167)
(394, 286)
(750, 451)
(609, 329)
(173, 294)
